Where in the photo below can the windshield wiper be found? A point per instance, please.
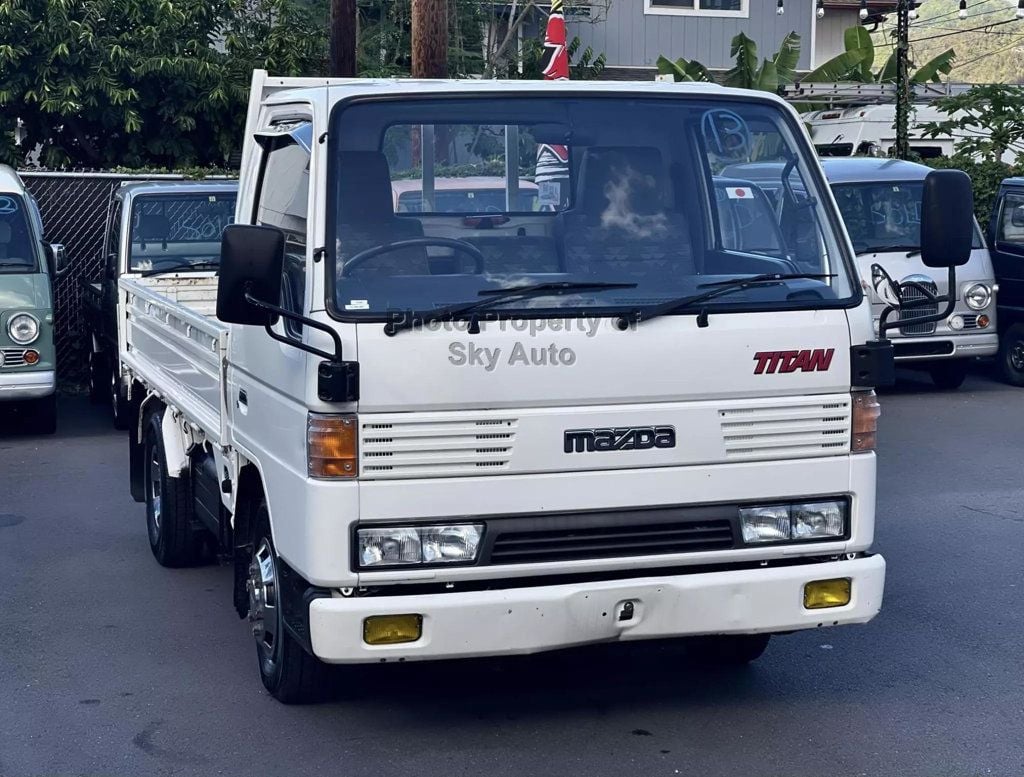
(717, 289)
(889, 250)
(210, 265)
(26, 265)
(495, 296)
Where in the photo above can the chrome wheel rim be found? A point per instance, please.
(264, 612)
(115, 394)
(154, 497)
(1017, 356)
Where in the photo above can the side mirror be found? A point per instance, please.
(947, 219)
(250, 263)
(885, 287)
(56, 258)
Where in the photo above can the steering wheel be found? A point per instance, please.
(444, 242)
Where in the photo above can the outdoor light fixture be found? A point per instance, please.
(821, 8)
(912, 13)
(962, 13)
(1020, 9)
(780, 8)
(863, 13)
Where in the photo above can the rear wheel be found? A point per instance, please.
(118, 401)
(168, 514)
(729, 649)
(949, 374)
(292, 675)
(1011, 355)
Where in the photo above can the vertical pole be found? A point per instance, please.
(429, 38)
(427, 157)
(902, 148)
(512, 167)
(343, 38)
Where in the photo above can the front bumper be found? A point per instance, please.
(939, 346)
(535, 619)
(27, 385)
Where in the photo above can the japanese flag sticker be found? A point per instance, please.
(739, 193)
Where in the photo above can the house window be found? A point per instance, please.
(698, 7)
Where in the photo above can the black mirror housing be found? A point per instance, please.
(251, 258)
(947, 219)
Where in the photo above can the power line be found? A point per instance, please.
(954, 13)
(971, 29)
(989, 54)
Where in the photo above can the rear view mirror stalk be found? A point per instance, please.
(927, 298)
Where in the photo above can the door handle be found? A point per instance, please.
(243, 401)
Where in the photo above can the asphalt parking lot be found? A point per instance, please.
(110, 664)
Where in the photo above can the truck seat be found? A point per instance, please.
(368, 218)
(518, 254)
(621, 227)
(153, 228)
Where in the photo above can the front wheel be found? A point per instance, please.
(168, 514)
(118, 401)
(97, 377)
(729, 649)
(1011, 355)
(292, 675)
(949, 374)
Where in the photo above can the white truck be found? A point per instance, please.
(428, 435)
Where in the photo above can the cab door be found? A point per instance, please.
(1006, 236)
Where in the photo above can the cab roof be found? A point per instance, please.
(9, 181)
(178, 187)
(868, 169)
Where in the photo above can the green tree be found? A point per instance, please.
(103, 83)
(986, 121)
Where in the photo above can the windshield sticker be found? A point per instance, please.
(727, 135)
(358, 304)
(8, 205)
(739, 193)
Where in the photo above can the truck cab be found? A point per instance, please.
(432, 434)
(28, 359)
(1006, 239)
(171, 229)
(880, 201)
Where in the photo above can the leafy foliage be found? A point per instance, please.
(132, 82)
(747, 72)
(987, 121)
(985, 177)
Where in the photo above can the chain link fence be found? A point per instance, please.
(74, 209)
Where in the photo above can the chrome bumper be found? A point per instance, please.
(912, 349)
(27, 385)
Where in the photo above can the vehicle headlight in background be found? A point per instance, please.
(825, 519)
(388, 546)
(23, 328)
(978, 296)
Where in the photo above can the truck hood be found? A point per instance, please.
(588, 361)
(748, 387)
(29, 291)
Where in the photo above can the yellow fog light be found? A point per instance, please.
(827, 593)
(392, 629)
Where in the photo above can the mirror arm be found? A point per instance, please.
(335, 357)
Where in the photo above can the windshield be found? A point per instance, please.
(884, 216)
(612, 190)
(174, 231)
(17, 246)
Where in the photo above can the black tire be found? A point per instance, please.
(97, 377)
(118, 401)
(949, 375)
(1011, 355)
(729, 649)
(41, 415)
(288, 672)
(168, 503)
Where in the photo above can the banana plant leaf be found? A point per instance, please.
(743, 74)
(684, 70)
(786, 59)
(930, 70)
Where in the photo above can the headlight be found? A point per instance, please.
(23, 328)
(978, 296)
(388, 546)
(801, 521)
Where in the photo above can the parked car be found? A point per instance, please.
(471, 194)
(165, 229)
(28, 359)
(1006, 239)
(880, 201)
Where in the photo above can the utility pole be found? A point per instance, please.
(343, 38)
(429, 38)
(902, 147)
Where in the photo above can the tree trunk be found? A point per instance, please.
(343, 38)
(429, 38)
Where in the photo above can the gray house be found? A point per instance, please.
(632, 33)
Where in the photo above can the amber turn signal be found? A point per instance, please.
(332, 446)
(866, 411)
(820, 594)
(31, 357)
(392, 629)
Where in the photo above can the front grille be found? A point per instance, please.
(569, 544)
(911, 294)
(934, 348)
(787, 429)
(970, 321)
(12, 357)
